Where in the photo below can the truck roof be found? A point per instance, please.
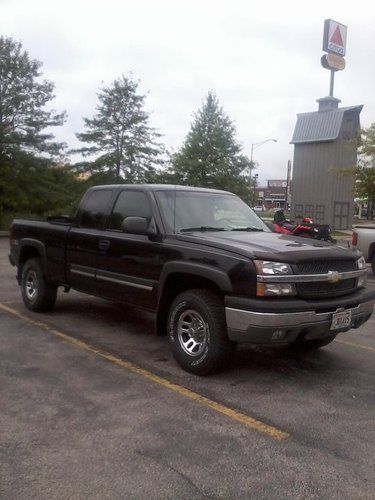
(159, 187)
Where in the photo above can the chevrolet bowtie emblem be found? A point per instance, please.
(333, 276)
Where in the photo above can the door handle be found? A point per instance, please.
(104, 244)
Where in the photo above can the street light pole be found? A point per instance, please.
(255, 146)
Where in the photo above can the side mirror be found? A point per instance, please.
(138, 225)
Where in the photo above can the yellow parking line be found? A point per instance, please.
(183, 391)
(352, 344)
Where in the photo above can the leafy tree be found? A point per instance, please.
(23, 117)
(120, 136)
(34, 186)
(211, 156)
(30, 182)
(365, 175)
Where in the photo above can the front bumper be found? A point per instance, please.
(282, 321)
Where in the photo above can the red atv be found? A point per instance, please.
(307, 228)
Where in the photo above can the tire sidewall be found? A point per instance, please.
(32, 265)
(208, 359)
(46, 294)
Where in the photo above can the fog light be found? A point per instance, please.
(278, 334)
(362, 280)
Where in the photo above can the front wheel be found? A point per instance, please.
(38, 295)
(197, 332)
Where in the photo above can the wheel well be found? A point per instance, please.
(175, 284)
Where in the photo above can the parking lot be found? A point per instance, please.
(94, 406)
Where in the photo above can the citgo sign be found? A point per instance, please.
(334, 37)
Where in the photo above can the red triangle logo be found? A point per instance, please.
(336, 37)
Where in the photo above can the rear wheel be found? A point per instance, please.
(38, 295)
(197, 332)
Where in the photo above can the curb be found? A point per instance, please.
(4, 234)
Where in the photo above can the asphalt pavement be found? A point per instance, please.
(92, 405)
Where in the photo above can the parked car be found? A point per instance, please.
(203, 261)
(363, 238)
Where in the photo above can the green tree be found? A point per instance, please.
(119, 134)
(36, 186)
(365, 175)
(30, 181)
(211, 156)
(23, 98)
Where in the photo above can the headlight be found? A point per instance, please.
(268, 267)
(274, 289)
(361, 264)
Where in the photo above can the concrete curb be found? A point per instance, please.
(4, 234)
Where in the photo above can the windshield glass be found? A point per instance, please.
(185, 211)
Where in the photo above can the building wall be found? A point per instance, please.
(320, 185)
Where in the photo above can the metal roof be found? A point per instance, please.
(319, 126)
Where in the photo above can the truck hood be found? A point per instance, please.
(271, 246)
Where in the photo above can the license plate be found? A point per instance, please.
(341, 320)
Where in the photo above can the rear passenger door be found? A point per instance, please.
(128, 269)
(85, 239)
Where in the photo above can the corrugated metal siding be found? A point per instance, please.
(320, 126)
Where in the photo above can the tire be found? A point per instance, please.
(38, 295)
(206, 347)
(310, 345)
(373, 263)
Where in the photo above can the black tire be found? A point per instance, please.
(373, 263)
(38, 295)
(206, 347)
(310, 345)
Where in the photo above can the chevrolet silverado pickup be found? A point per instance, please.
(363, 239)
(203, 261)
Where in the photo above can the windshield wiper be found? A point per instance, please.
(201, 228)
(249, 228)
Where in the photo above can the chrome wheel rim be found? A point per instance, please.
(192, 332)
(31, 287)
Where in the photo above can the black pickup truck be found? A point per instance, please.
(203, 261)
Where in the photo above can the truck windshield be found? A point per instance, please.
(187, 211)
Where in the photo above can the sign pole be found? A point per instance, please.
(331, 83)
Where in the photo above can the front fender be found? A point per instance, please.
(217, 276)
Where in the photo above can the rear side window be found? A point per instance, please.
(95, 209)
(130, 204)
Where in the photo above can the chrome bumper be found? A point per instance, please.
(281, 328)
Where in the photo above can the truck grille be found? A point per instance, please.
(323, 289)
(323, 267)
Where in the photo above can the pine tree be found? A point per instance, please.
(211, 156)
(120, 137)
(27, 169)
(23, 98)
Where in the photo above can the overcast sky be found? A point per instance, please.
(261, 58)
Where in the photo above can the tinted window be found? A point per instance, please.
(130, 204)
(95, 209)
(185, 209)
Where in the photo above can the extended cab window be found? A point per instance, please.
(95, 209)
(130, 204)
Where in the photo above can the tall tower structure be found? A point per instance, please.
(325, 148)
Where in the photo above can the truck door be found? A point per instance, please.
(84, 240)
(128, 268)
